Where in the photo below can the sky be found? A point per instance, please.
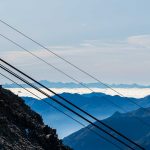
(110, 39)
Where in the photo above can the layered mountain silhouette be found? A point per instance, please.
(75, 85)
(98, 104)
(129, 124)
(23, 129)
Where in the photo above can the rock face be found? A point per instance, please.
(23, 129)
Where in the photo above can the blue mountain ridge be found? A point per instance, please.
(126, 123)
(75, 85)
(94, 103)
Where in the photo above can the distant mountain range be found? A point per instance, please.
(98, 104)
(126, 123)
(75, 85)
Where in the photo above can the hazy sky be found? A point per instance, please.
(108, 38)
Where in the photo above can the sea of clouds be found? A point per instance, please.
(127, 92)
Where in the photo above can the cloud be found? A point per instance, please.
(111, 60)
(106, 43)
(138, 43)
(22, 57)
(60, 47)
(140, 40)
(86, 45)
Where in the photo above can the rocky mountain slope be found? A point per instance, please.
(23, 129)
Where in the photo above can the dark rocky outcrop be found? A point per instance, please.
(23, 129)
